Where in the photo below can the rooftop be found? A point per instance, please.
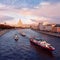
(57, 25)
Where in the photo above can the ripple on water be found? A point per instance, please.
(24, 50)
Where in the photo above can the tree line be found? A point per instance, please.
(3, 26)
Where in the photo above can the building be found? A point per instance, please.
(46, 27)
(41, 26)
(56, 28)
(19, 24)
(26, 25)
(34, 26)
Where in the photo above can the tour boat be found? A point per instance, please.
(23, 34)
(42, 44)
(16, 37)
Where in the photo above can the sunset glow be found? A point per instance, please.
(45, 23)
(37, 10)
(29, 29)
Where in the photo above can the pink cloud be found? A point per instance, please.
(43, 12)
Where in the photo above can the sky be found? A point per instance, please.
(29, 11)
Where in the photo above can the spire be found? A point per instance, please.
(20, 23)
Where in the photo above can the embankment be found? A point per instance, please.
(3, 31)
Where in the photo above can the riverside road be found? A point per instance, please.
(23, 49)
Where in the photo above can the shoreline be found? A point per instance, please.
(2, 32)
(48, 33)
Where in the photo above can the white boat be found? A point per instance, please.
(16, 37)
(23, 34)
(42, 44)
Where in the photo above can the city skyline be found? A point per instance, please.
(39, 10)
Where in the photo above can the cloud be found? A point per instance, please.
(48, 10)
(45, 10)
(44, 3)
(52, 1)
(20, 3)
(2, 5)
(5, 18)
(26, 3)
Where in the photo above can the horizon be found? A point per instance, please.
(29, 11)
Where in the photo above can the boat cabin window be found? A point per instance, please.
(38, 39)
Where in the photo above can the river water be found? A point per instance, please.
(23, 49)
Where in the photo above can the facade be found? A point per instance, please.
(41, 26)
(34, 26)
(47, 27)
(56, 28)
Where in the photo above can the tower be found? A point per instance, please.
(20, 24)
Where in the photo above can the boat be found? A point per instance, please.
(16, 37)
(23, 34)
(42, 44)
